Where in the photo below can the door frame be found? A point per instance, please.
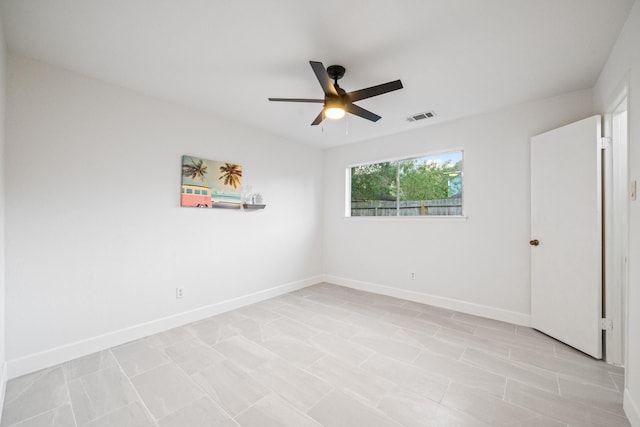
(616, 224)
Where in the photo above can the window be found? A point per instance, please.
(420, 186)
(189, 191)
(197, 191)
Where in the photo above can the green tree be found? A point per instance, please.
(376, 181)
(420, 179)
(428, 180)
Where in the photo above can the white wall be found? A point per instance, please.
(623, 64)
(95, 238)
(2, 163)
(478, 265)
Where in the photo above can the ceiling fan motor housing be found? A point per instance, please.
(336, 72)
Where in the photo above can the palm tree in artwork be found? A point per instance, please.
(195, 169)
(231, 174)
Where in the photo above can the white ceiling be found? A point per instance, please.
(457, 57)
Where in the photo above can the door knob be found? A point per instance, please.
(534, 242)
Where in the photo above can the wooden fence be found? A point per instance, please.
(410, 208)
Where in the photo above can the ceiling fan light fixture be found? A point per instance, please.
(338, 102)
(334, 113)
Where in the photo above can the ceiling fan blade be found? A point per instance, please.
(357, 95)
(361, 112)
(317, 101)
(323, 78)
(318, 119)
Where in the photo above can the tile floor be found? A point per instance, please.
(326, 356)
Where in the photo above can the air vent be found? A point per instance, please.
(421, 116)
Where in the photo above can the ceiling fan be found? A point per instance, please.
(336, 100)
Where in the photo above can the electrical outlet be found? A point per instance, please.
(179, 293)
(412, 275)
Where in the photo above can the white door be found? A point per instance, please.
(566, 225)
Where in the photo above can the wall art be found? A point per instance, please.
(210, 183)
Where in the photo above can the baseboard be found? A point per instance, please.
(34, 362)
(449, 303)
(631, 409)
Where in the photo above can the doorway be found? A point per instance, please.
(580, 239)
(616, 227)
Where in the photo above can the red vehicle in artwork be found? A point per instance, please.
(195, 195)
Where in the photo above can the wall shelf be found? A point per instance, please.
(251, 206)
